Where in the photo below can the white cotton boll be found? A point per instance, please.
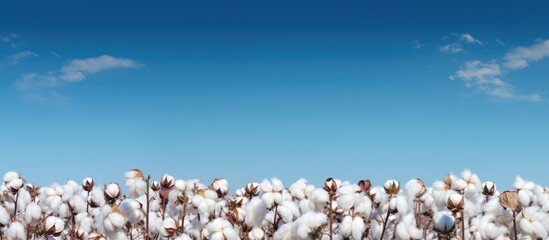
(84, 221)
(346, 226)
(78, 203)
(132, 210)
(4, 216)
(413, 188)
(180, 185)
(299, 188)
(10, 176)
(114, 221)
(256, 234)
(96, 196)
(268, 199)
(439, 185)
(54, 225)
(444, 221)
(307, 223)
(459, 185)
(525, 197)
(255, 212)
(363, 205)
(16, 231)
(64, 211)
(526, 226)
(318, 200)
(492, 206)
(292, 206)
(284, 232)
(346, 196)
(358, 227)
(169, 227)
(401, 204)
(112, 190)
(539, 230)
(15, 184)
(210, 194)
(33, 212)
(285, 214)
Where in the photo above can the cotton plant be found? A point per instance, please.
(457, 207)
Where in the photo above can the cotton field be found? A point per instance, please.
(459, 207)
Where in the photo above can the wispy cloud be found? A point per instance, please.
(458, 45)
(487, 77)
(520, 57)
(451, 48)
(12, 40)
(468, 38)
(74, 71)
(500, 42)
(20, 56)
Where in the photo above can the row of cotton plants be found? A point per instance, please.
(459, 207)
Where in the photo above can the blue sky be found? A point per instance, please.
(252, 89)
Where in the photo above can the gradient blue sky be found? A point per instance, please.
(252, 89)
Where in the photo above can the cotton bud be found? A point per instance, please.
(392, 187)
(365, 185)
(87, 184)
(489, 188)
(112, 192)
(444, 222)
(167, 182)
(251, 190)
(169, 227)
(509, 200)
(53, 226)
(455, 203)
(331, 185)
(155, 186)
(220, 186)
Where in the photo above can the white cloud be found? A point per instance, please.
(73, 71)
(76, 70)
(458, 45)
(468, 38)
(452, 48)
(20, 56)
(487, 77)
(520, 57)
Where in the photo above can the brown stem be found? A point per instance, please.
(462, 226)
(515, 224)
(88, 203)
(385, 222)
(163, 206)
(147, 237)
(418, 209)
(275, 225)
(183, 218)
(331, 217)
(15, 209)
(199, 227)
